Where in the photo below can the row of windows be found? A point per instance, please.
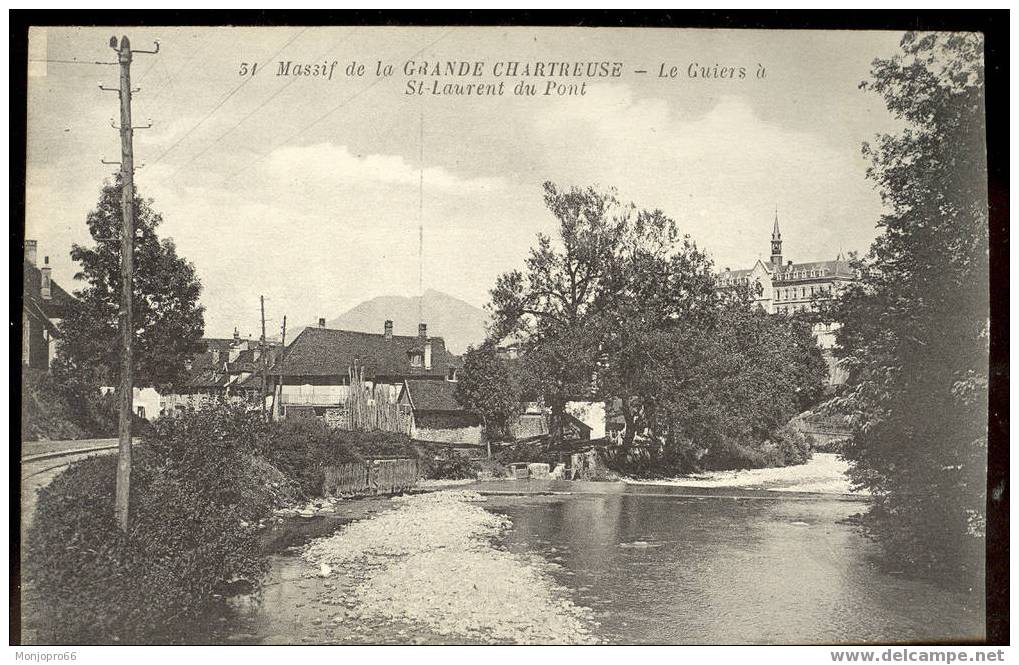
(791, 293)
(802, 274)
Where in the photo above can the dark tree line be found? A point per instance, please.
(620, 306)
(915, 328)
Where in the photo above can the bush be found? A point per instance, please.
(454, 466)
(197, 494)
(303, 448)
(53, 409)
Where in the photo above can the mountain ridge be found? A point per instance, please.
(456, 321)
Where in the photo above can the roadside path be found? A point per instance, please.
(42, 461)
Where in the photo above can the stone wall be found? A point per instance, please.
(447, 427)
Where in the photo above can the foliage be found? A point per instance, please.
(454, 466)
(52, 409)
(627, 305)
(914, 334)
(168, 320)
(303, 447)
(487, 388)
(197, 492)
(554, 305)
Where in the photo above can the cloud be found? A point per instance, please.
(720, 175)
(325, 162)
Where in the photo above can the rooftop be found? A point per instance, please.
(432, 395)
(330, 352)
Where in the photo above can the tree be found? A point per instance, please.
(487, 388)
(661, 284)
(168, 320)
(554, 307)
(914, 334)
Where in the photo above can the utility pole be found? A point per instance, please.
(283, 345)
(265, 364)
(124, 54)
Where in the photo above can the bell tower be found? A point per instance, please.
(776, 243)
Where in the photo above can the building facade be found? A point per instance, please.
(44, 305)
(313, 375)
(788, 288)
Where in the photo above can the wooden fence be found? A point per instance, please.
(388, 476)
(370, 409)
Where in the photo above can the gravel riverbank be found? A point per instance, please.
(431, 561)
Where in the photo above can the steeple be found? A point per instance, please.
(776, 243)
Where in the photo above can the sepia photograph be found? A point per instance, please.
(506, 334)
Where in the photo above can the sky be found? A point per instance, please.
(310, 191)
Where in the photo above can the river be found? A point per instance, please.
(655, 566)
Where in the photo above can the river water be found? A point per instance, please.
(661, 566)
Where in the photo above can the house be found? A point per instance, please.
(44, 305)
(313, 375)
(228, 369)
(436, 414)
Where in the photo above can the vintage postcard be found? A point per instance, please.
(504, 335)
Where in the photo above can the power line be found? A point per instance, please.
(224, 100)
(72, 62)
(169, 77)
(255, 110)
(329, 112)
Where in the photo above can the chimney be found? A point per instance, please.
(45, 289)
(422, 330)
(321, 322)
(388, 330)
(237, 335)
(428, 353)
(30, 249)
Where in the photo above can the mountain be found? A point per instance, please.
(457, 322)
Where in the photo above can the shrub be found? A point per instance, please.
(303, 448)
(197, 493)
(53, 409)
(454, 466)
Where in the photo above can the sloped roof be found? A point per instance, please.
(219, 343)
(834, 268)
(829, 268)
(329, 352)
(432, 395)
(54, 307)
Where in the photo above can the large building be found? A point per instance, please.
(788, 288)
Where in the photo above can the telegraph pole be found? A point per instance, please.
(265, 362)
(283, 345)
(127, 279)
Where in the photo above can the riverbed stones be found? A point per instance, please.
(431, 562)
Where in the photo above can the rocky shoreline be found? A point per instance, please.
(430, 562)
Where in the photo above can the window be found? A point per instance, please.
(417, 360)
(141, 412)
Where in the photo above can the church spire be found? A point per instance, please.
(776, 243)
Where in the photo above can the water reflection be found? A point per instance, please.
(731, 571)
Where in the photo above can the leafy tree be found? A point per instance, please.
(553, 307)
(167, 318)
(661, 284)
(487, 388)
(914, 337)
